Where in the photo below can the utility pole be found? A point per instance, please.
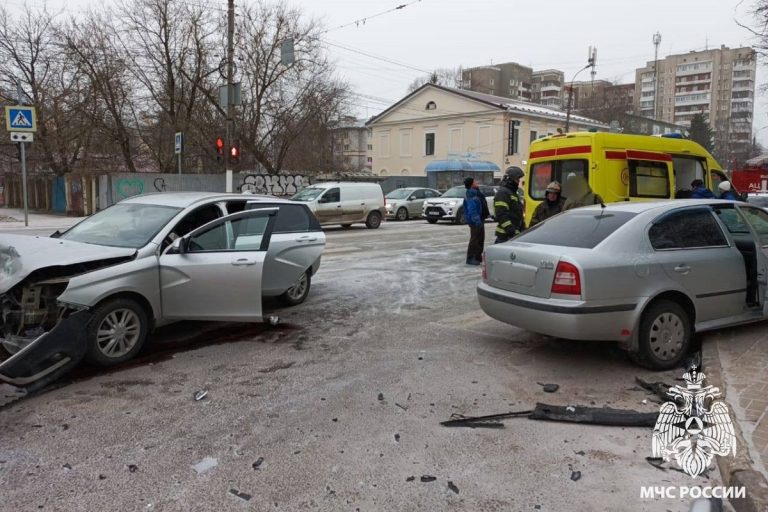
(230, 135)
(19, 94)
(656, 42)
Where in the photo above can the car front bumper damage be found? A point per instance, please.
(46, 357)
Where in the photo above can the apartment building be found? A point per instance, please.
(508, 80)
(547, 87)
(719, 83)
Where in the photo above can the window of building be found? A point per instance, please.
(484, 138)
(431, 105)
(346, 147)
(534, 135)
(491, 82)
(514, 138)
(384, 145)
(455, 140)
(429, 143)
(405, 143)
(370, 147)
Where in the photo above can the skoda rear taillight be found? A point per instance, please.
(567, 280)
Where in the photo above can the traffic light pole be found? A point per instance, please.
(230, 75)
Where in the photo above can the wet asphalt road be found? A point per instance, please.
(341, 404)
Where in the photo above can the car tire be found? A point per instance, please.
(432, 221)
(402, 214)
(459, 219)
(297, 293)
(664, 337)
(373, 221)
(116, 332)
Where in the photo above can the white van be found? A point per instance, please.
(345, 203)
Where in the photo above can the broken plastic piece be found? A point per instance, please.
(201, 394)
(428, 478)
(257, 464)
(594, 415)
(205, 464)
(410, 479)
(575, 476)
(489, 421)
(241, 495)
(453, 487)
(274, 320)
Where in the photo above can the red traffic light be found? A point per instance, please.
(220, 145)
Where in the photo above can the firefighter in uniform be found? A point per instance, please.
(506, 206)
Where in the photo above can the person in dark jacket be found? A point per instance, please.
(699, 191)
(506, 206)
(552, 204)
(726, 192)
(578, 193)
(473, 215)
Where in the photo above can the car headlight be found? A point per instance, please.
(453, 203)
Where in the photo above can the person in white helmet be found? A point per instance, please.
(725, 191)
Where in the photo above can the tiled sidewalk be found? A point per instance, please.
(743, 355)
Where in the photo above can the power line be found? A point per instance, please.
(361, 21)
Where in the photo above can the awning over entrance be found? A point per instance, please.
(455, 164)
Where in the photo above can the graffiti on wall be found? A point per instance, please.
(283, 185)
(128, 187)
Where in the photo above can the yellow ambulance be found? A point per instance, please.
(619, 167)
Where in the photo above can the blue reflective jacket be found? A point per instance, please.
(473, 208)
(702, 193)
(729, 195)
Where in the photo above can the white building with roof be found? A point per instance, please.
(436, 122)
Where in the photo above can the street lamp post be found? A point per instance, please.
(570, 98)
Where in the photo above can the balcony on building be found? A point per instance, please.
(693, 68)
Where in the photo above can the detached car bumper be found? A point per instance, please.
(49, 355)
(562, 318)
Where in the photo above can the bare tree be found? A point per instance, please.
(168, 46)
(29, 52)
(281, 102)
(92, 45)
(447, 77)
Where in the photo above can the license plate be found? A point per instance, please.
(432, 213)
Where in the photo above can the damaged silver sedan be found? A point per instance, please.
(97, 290)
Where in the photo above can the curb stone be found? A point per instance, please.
(736, 471)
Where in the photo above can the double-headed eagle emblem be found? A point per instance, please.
(695, 427)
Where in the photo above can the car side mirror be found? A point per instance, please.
(179, 246)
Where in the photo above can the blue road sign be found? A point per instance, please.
(20, 119)
(178, 142)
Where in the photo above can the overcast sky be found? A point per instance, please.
(430, 34)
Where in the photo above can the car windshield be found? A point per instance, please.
(123, 225)
(579, 228)
(308, 194)
(400, 193)
(456, 192)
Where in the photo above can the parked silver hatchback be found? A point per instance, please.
(98, 289)
(407, 203)
(647, 274)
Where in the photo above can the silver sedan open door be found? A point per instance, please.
(215, 272)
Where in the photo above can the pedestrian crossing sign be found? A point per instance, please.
(20, 119)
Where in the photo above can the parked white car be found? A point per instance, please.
(449, 206)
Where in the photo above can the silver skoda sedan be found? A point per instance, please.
(647, 275)
(98, 289)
